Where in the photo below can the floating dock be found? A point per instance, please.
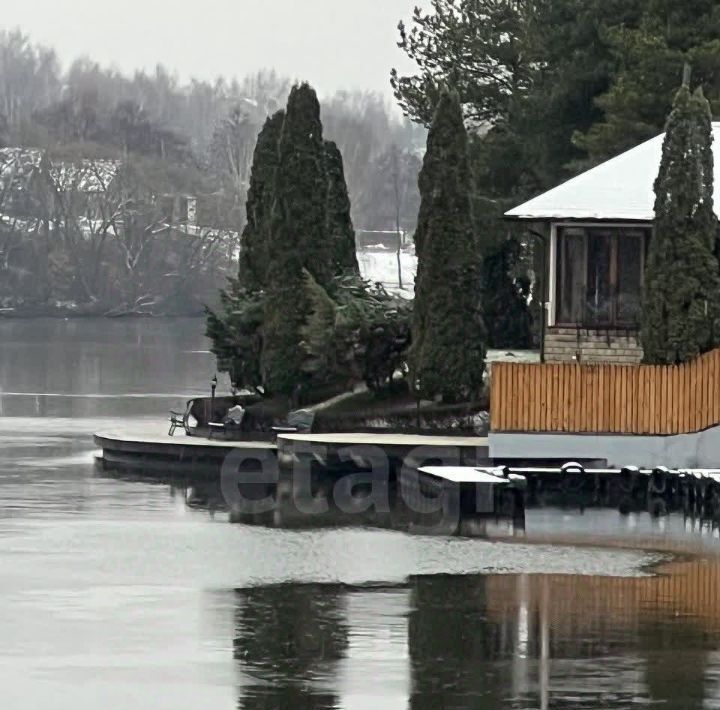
(481, 491)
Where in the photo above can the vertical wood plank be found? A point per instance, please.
(611, 404)
(627, 400)
(685, 399)
(642, 401)
(665, 401)
(505, 394)
(508, 386)
(649, 411)
(674, 404)
(692, 369)
(653, 409)
(615, 375)
(708, 390)
(560, 398)
(622, 400)
(503, 424)
(542, 422)
(697, 386)
(529, 408)
(497, 398)
(566, 396)
(602, 398)
(526, 393)
(649, 404)
(512, 401)
(588, 373)
(579, 398)
(547, 397)
(573, 426)
(639, 401)
(659, 399)
(522, 398)
(537, 396)
(600, 401)
(689, 388)
(555, 412)
(715, 400)
(636, 429)
(703, 376)
(671, 400)
(702, 398)
(623, 410)
(594, 403)
(543, 397)
(534, 398)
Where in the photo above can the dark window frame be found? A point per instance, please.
(616, 233)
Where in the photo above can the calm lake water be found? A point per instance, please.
(117, 594)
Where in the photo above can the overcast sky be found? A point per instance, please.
(331, 43)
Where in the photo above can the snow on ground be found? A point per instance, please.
(512, 356)
(382, 266)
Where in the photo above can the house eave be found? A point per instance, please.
(592, 219)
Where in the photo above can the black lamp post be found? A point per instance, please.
(417, 403)
(213, 387)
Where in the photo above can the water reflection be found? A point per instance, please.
(289, 643)
(488, 641)
(93, 367)
(120, 592)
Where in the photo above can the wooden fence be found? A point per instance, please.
(623, 399)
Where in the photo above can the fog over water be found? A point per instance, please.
(116, 593)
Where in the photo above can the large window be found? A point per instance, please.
(599, 275)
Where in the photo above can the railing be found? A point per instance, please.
(621, 399)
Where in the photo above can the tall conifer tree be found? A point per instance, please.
(447, 357)
(340, 227)
(682, 283)
(298, 240)
(260, 198)
(302, 184)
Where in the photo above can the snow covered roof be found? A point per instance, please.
(619, 189)
(17, 166)
(85, 175)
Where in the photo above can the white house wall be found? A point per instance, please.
(700, 450)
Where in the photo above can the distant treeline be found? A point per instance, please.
(181, 153)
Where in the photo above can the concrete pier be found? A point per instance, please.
(340, 451)
(148, 447)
